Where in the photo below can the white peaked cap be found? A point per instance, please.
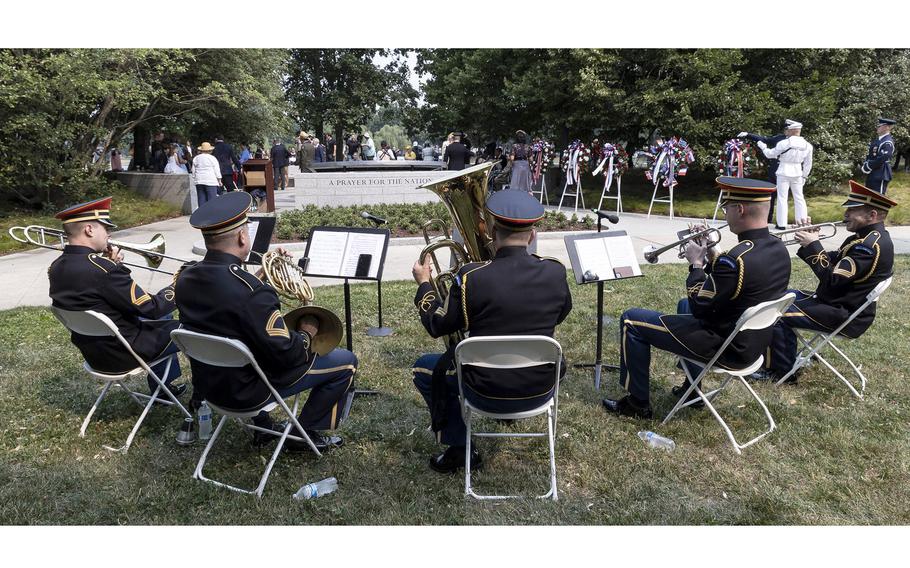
(793, 124)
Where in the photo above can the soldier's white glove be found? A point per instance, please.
(742, 134)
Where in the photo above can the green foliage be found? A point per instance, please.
(704, 95)
(59, 106)
(404, 219)
(393, 134)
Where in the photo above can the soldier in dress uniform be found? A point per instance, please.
(217, 296)
(877, 166)
(845, 278)
(794, 164)
(89, 276)
(756, 270)
(485, 300)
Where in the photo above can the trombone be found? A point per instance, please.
(652, 252)
(832, 227)
(152, 251)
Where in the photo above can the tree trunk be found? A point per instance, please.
(141, 138)
(339, 144)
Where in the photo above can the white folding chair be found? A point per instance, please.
(509, 352)
(226, 352)
(761, 316)
(96, 324)
(811, 347)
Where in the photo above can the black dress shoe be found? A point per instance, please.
(625, 407)
(322, 442)
(766, 375)
(680, 390)
(452, 460)
(176, 390)
(262, 439)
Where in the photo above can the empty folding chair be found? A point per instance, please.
(96, 324)
(820, 339)
(510, 352)
(761, 316)
(227, 352)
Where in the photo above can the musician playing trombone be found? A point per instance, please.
(845, 278)
(89, 276)
(720, 287)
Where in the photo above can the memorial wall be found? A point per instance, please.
(364, 188)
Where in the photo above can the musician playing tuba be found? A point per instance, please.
(719, 290)
(845, 277)
(89, 276)
(217, 296)
(515, 293)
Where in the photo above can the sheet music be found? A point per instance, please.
(253, 226)
(621, 253)
(608, 257)
(592, 256)
(326, 251)
(362, 243)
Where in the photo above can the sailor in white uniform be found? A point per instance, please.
(794, 158)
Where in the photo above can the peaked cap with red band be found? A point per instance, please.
(744, 189)
(862, 195)
(97, 210)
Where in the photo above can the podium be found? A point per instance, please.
(257, 174)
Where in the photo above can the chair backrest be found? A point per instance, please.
(879, 290)
(765, 314)
(212, 349)
(89, 322)
(508, 351)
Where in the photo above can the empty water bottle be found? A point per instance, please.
(656, 441)
(205, 421)
(318, 489)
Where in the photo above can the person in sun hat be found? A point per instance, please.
(845, 277)
(877, 166)
(89, 275)
(720, 287)
(217, 296)
(206, 174)
(482, 302)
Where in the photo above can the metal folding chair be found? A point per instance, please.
(509, 352)
(227, 352)
(762, 316)
(96, 324)
(811, 347)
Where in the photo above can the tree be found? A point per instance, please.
(342, 88)
(62, 108)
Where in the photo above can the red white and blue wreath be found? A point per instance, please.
(669, 161)
(737, 158)
(542, 153)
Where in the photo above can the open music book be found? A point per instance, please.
(602, 256)
(346, 253)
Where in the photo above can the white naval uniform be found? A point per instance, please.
(794, 158)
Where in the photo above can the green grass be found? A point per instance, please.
(833, 460)
(697, 197)
(129, 210)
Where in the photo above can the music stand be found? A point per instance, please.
(350, 254)
(597, 258)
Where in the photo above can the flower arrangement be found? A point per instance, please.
(578, 153)
(620, 158)
(541, 156)
(736, 158)
(669, 160)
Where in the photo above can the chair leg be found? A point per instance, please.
(862, 377)
(197, 474)
(167, 391)
(88, 416)
(551, 431)
(467, 455)
(129, 439)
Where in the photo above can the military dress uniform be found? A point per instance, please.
(217, 296)
(877, 165)
(516, 293)
(82, 279)
(756, 270)
(794, 164)
(770, 141)
(845, 278)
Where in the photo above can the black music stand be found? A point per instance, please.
(596, 258)
(350, 254)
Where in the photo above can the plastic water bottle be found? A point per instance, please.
(205, 421)
(318, 489)
(655, 441)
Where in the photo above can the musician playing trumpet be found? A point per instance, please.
(720, 287)
(845, 278)
(89, 276)
(217, 296)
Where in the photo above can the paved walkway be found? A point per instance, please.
(23, 276)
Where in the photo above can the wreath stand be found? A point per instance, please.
(657, 177)
(542, 189)
(607, 183)
(572, 171)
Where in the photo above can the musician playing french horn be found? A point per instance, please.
(845, 277)
(89, 275)
(515, 293)
(718, 291)
(217, 296)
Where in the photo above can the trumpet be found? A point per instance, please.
(152, 251)
(652, 252)
(832, 227)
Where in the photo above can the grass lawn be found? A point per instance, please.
(695, 197)
(130, 210)
(833, 460)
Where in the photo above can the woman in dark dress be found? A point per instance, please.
(521, 169)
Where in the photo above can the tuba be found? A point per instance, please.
(464, 194)
(287, 278)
